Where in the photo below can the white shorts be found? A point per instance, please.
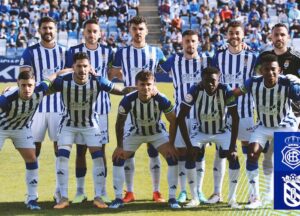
(262, 134)
(20, 138)
(103, 125)
(199, 139)
(246, 128)
(42, 121)
(192, 129)
(90, 136)
(133, 141)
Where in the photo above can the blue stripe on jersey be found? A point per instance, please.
(235, 70)
(80, 100)
(45, 62)
(17, 113)
(132, 60)
(185, 73)
(100, 59)
(146, 116)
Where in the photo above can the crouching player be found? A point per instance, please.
(17, 107)
(79, 95)
(273, 94)
(145, 108)
(211, 100)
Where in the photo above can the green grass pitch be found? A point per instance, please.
(12, 181)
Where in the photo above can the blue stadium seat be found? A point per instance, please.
(185, 19)
(194, 20)
(72, 35)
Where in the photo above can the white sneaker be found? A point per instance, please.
(233, 204)
(213, 199)
(254, 204)
(192, 204)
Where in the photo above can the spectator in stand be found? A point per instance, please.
(176, 39)
(63, 23)
(54, 13)
(290, 4)
(73, 23)
(295, 29)
(255, 22)
(282, 17)
(294, 13)
(24, 12)
(176, 22)
(103, 8)
(214, 12)
(242, 6)
(113, 8)
(226, 14)
(166, 21)
(184, 8)
(168, 48)
(11, 38)
(21, 40)
(123, 9)
(84, 14)
(122, 22)
(264, 20)
(202, 12)
(280, 4)
(253, 12)
(3, 33)
(194, 7)
(134, 4)
(165, 7)
(237, 15)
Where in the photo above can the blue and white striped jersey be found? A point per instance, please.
(235, 70)
(100, 59)
(132, 60)
(146, 117)
(15, 113)
(211, 109)
(185, 73)
(80, 100)
(273, 105)
(44, 62)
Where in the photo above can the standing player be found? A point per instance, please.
(211, 100)
(272, 95)
(17, 107)
(128, 62)
(145, 109)
(186, 71)
(79, 96)
(236, 65)
(45, 58)
(100, 57)
(289, 62)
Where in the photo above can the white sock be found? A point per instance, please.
(253, 178)
(103, 191)
(233, 183)
(191, 175)
(80, 181)
(56, 177)
(182, 175)
(268, 172)
(63, 175)
(154, 167)
(200, 168)
(32, 179)
(219, 172)
(129, 168)
(98, 174)
(172, 180)
(118, 180)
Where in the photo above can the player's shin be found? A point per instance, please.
(154, 166)
(32, 179)
(118, 177)
(129, 168)
(172, 177)
(63, 170)
(98, 171)
(234, 173)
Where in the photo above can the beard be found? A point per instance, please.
(46, 38)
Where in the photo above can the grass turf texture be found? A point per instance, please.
(13, 187)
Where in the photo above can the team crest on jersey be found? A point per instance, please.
(291, 190)
(188, 98)
(286, 64)
(291, 152)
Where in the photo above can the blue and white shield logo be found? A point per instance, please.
(291, 190)
(291, 152)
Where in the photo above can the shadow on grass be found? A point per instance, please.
(140, 206)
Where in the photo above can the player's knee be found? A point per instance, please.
(189, 164)
(182, 153)
(234, 164)
(152, 152)
(253, 156)
(251, 165)
(119, 162)
(64, 151)
(80, 151)
(37, 148)
(97, 154)
(171, 161)
(80, 172)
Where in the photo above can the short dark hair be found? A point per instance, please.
(189, 32)
(90, 21)
(235, 24)
(267, 58)
(144, 75)
(80, 56)
(26, 75)
(138, 20)
(279, 25)
(46, 19)
(210, 70)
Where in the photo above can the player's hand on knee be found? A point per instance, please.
(192, 152)
(172, 152)
(118, 154)
(233, 155)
